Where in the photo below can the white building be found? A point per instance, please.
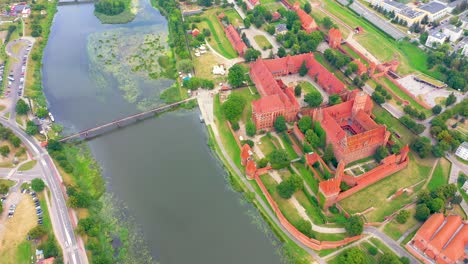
(462, 151)
(434, 10)
(389, 5)
(435, 38)
(452, 32)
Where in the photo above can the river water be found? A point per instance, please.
(162, 168)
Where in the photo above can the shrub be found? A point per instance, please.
(289, 186)
(402, 216)
(373, 250)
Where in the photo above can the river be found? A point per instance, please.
(161, 169)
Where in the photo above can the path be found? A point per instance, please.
(228, 63)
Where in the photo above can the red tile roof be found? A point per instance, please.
(307, 22)
(361, 67)
(235, 39)
(334, 37)
(275, 16)
(246, 152)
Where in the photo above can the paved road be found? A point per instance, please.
(457, 167)
(59, 212)
(394, 246)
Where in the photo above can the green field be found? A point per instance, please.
(382, 46)
(267, 145)
(354, 54)
(376, 195)
(307, 87)
(441, 174)
(307, 176)
(288, 146)
(262, 42)
(395, 230)
(234, 17)
(227, 139)
(393, 124)
(218, 39)
(28, 165)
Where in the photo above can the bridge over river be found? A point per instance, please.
(75, 2)
(122, 122)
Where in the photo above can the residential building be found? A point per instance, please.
(435, 38)
(434, 10)
(235, 39)
(275, 16)
(350, 128)
(462, 150)
(452, 32)
(410, 15)
(307, 22)
(441, 239)
(20, 9)
(281, 29)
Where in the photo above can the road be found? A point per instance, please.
(63, 229)
(455, 170)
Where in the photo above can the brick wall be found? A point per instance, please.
(422, 103)
(310, 242)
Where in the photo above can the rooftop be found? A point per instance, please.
(395, 4)
(438, 35)
(433, 7)
(453, 28)
(411, 13)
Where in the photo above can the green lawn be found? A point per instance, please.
(218, 39)
(249, 97)
(364, 247)
(354, 54)
(28, 165)
(288, 146)
(307, 87)
(228, 140)
(404, 96)
(321, 59)
(380, 44)
(262, 42)
(234, 17)
(8, 183)
(376, 195)
(267, 145)
(393, 124)
(24, 253)
(395, 230)
(307, 176)
(441, 174)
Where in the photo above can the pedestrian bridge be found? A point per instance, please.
(121, 122)
(74, 2)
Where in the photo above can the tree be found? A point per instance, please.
(305, 227)
(312, 138)
(297, 90)
(457, 199)
(4, 188)
(334, 99)
(289, 186)
(42, 112)
(450, 99)
(236, 75)
(31, 128)
(305, 123)
(307, 8)
(402, 216)
(250, 128)
(353, 67)
(251, 54)
(88, 226)
(352, 256)
(436, 109)
(313, 99)
(435, 205)
(380, 153)
(22, 107)
(327, 23)
(354, 226)
(37, 232)
(422, 145)
(422, 212)
(279, 159)
(281, 52)
(303, 69)
(280, 124)
(233, 107)
(389, 258)
(37, 185)
(262, 163)
(4, 151)
(329, 156)
(373, 250)
(185, 65)
(50, 248)
(110, 7)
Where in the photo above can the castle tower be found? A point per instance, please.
(251, 169)
(246, 153)
(404, 153)
(372, 67)
(334, 38)
(359, 102)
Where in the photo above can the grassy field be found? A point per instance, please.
(267, 145)
(228, 140)
(395, 230)
(272, 6)
(12, 243)
(307, 176)
(376, 195)
(262, 42)
(393, 124)
(354, 54)
(249, 97)
(8, 183)
(404, 96)
(218, 39)
(364, 247)
(319, 15)
(441, 174)
(28, 165)
(204, 64)
(234, 17)
(381, 45)
(307, 87)
(321, 59)
(288, 146)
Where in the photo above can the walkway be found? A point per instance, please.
(228, 63)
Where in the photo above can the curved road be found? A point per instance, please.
(63, 228)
